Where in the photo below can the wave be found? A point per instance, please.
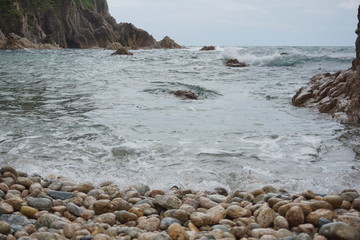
(278, 57)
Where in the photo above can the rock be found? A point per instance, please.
(308, 229)
(185, 94)
(178, 214)
(207, 48)
(108, 218)
(216, 214)
(177, 232)
(102, 206)
(266, 217)
(352, 219)
(168, 201)
(74, 209)
(149, 224)
(235, 211)
(339, 231)
(5, 228)
(205, 202)
(235, 63)
(84, 187)
(46, 236)
(314, 217)
(168, 43)
(16, 220)
(40, 203)
(121, 51)
(10, 170)
(154, 236)
(114, 46)
(167, 221)
(60, 195)
(356, 204)
(120, 204)
(280, 222)
(15, 202)
(45, 220)
(125, 216)
(6, 208)
(28, 211)
(334, 200)
(200, 219)
(295, 216)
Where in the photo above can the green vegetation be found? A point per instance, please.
(90, 4)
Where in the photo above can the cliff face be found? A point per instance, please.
(337, 94)
(69, 24)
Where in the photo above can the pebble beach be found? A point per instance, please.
(52, 207)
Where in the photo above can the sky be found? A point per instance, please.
(243, 22)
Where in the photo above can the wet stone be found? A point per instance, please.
(45, 220)
(167, 221)
(60, 195)
(40, 203)
(339, 231)
(168, 201)
(315, 216)
(74, 209)
(5, 227)
(295, 216)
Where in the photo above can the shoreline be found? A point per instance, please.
(34, 207)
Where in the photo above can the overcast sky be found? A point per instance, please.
(243, 22)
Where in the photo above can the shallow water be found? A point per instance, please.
(90, 116)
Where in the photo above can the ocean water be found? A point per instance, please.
(89, 116)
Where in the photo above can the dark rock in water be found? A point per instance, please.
(122, 51)
(337, 94)
(61, 195)
(207, 48)
(168, 43)
(235, 63)
(284, 53)
(185, 94)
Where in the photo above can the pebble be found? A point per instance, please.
(55, 208)
(168, 201)
(295, 216)
(28, 211)
(266, 217)
(315, 216)
(339, 231)
(40, 203)
(60, 195)
(177, 232)
(5, 228)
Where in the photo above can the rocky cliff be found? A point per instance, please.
(337, 94)
(67, 24)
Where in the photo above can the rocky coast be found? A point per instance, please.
(337, 93)
(36, 207)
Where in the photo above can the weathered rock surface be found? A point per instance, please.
(67, 24)
(122, 51)
(337, 94)
(207, 48)
(169, 43)
(235, 63)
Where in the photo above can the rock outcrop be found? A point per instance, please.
(337, 94)
(235, 63)
(69, 24)
(207, 48)
(169, 43)
(121, 51)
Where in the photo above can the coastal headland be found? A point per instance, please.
(69, 24)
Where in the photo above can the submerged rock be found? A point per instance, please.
(207, 48)
(122, 51)
(235, 63)
(185, 94)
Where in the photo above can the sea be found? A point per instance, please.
(88, 116)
